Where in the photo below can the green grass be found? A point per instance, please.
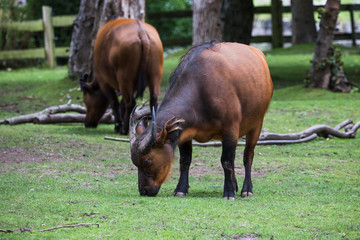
(289, 66)
(54, 175)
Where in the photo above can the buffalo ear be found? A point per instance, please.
(88, 86)
(83, 83)
(170, 126)
(142, 125)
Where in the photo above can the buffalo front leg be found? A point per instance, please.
(251, 140)
(185, 160)
(227, 162)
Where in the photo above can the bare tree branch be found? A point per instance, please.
(69, 118)
(279, 139)
(70, 226)
(27, 118)
(23, 229)
(56, 114)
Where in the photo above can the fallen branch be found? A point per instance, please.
(117, 139)
(50, 229)
(23, 229)
(52, 115)
(28, 118)
(57, 114)
(70, 226)
(300, 137)
(68, 118)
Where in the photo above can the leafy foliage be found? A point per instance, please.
(33, 11)
(11, 12)
(168, 5)
(170, 28)
(60, 7)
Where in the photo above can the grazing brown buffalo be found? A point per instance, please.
(218, 91)
(128, 56)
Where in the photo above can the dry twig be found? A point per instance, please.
(23, 229)
(70, 226)
(50, 229)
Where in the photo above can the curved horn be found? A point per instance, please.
(150, 138)
(132, 134)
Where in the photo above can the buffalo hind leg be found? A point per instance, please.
(251, 140)
(185, 160)
(115, 106)
(227, 162)
(126, 115)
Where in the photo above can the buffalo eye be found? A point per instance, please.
(147, 162)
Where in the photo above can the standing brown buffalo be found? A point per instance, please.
(218, 91)
(128, 56)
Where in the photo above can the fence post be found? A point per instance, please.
(49, 36)
(276, 23)
(352, 21)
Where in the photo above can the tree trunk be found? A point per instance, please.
(321, 70)
(80, 42)
(237, 20)
(206, 21)
(92, 15)
(303, 23)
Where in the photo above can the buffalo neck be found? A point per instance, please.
(170, 110)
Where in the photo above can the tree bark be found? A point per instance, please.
(80, 42)
(206, 21)
(92, 16)
(321, 68)
(303, 23)
(237, 20)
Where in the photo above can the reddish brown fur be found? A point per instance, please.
(124, 48)
(221, 91)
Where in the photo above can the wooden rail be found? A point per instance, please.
(46, 25)
(50, 52)
(277, 39)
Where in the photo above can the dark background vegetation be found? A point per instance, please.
(168, 28)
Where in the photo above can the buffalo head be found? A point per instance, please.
(152, 152)
(95, 101)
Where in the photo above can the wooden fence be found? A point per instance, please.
(46, 25)
(50, 52)
(276, 10)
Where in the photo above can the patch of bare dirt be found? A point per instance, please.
(202, 169)
(20, 155)
(9, 106)
(46, 149)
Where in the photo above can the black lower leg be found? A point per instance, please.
(227, 162)
(247, 185)
(185, 160)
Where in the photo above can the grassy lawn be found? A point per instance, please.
(55, 175)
